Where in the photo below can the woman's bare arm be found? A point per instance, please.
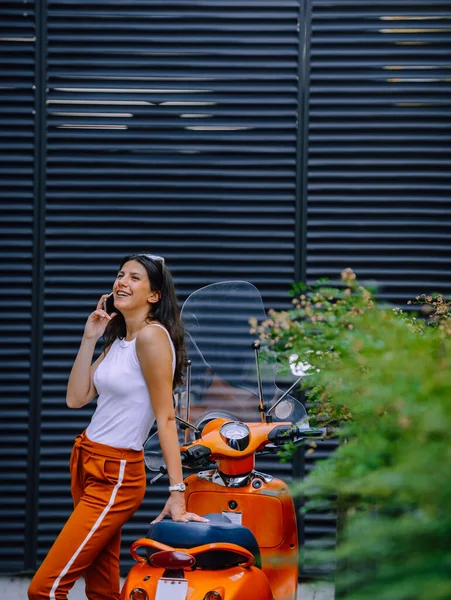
(155, 357)
(80, 387)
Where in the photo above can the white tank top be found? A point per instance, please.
(124, 414)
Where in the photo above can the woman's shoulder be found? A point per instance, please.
(150, 342)
(153, 331)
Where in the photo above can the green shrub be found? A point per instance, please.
(381, 381)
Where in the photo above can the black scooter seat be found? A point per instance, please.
(219, 529)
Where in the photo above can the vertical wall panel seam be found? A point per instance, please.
(298, 461)
(37, 310)
(302, 141)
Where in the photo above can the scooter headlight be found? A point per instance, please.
(139, 594)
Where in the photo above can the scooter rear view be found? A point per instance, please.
(232, 412)
(203, 571)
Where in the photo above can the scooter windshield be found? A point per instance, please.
(224, 378)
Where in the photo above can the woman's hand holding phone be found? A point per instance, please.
(99, 319)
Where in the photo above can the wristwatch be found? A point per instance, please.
(177, 487)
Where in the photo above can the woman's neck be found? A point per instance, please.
(134, 323)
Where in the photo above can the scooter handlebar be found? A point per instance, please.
(196, 456)
(282, 434)
(199, 455)
(316, 433)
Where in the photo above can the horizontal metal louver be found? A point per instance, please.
(172, 128)
(17, 104)
(379, 152)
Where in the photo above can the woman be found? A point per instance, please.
(133, 378)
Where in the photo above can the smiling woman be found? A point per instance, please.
(138, 272)
(142, 360)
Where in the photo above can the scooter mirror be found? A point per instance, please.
(290, 410)
(153, 461)
(283, 410)
(153, 456)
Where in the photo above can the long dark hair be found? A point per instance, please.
(166, 311)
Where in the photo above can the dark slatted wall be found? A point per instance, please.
(17, 106)
(379, 153)
(379, 157)
(172, 130)
(238, 138)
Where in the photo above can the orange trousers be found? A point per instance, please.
(107, 486)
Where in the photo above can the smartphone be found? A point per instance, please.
(108, 304)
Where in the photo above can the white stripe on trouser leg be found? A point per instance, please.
(91, 533)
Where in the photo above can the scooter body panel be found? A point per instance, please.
(235, 583)
(268, 511)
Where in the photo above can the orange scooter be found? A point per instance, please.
(249, 548)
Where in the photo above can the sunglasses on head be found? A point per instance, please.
(153, 258)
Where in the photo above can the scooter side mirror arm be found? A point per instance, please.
(162, 473)
(187, 425)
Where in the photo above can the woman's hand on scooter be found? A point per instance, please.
(176, 509)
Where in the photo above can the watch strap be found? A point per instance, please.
(177, 487)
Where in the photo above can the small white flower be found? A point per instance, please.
(300, 369)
